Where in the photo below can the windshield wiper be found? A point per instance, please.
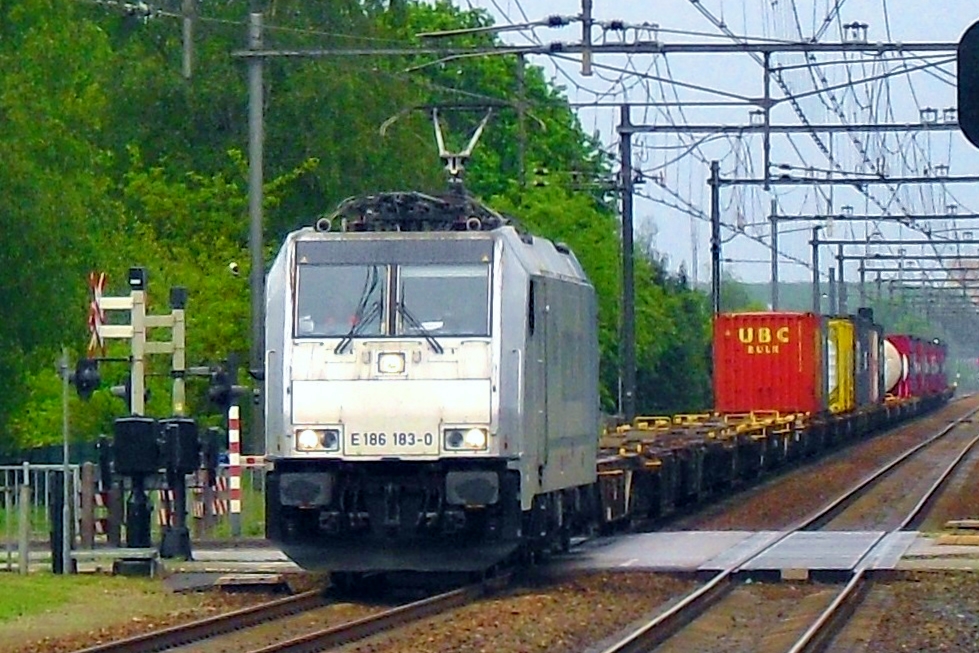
(413, 321)
(359, 317)
(361, 321)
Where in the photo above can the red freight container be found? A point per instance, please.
(918, 366)
(935, 381)
(928, 355)
(941, 375)
(768, 361)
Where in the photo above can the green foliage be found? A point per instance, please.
(735, 296)
(51, 103)
(673, 361)
(112, 160)
(38, 420)
(184, 231)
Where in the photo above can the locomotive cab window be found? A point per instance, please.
(449, 300)
(340, 300)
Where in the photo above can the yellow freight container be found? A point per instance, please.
(840, 361)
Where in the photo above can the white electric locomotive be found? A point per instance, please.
(431, 388)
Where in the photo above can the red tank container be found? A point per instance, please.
(769, 361)
(898, 359)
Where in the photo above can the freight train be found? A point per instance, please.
(804, 363)
(432, 398)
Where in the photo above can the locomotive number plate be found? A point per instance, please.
(390, 443)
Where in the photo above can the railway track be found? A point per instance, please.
(346, 633)
(883, 498)
(831, 621)
(200, 632)
(818, 613)
(195, 631)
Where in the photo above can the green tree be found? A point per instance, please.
(112, 159)
(51, 103)
(184, 231)
(735, 297)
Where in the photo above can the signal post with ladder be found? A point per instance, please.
(136, 446)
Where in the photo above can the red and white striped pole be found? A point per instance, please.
(234, 465)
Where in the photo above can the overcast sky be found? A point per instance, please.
(679, 170)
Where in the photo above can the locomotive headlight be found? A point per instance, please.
(318, 439)
(475, 439)
(391, 363)
(307, 440)
(471, 439)
(330, 439)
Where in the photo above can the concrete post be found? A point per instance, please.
(24, 522)
(88, 506)
(8, 503)
(116, 514)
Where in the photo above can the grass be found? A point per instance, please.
(39, 607)
(38, 593)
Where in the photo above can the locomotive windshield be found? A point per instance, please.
(432, 300)
(443, 300)
(333, 299)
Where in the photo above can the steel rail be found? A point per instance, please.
(195, 631)
(668, 623)
(835, 616)
(832, 509)
(367, 626)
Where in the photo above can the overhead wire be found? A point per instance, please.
(924, 57)
(738, 150)
(946, 191)
(830, 101)
(792, 98)
(581, 88)
(692, 210)
(694, 148)
(674, 85)
(836, 106)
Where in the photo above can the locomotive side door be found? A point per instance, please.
(536, 373)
